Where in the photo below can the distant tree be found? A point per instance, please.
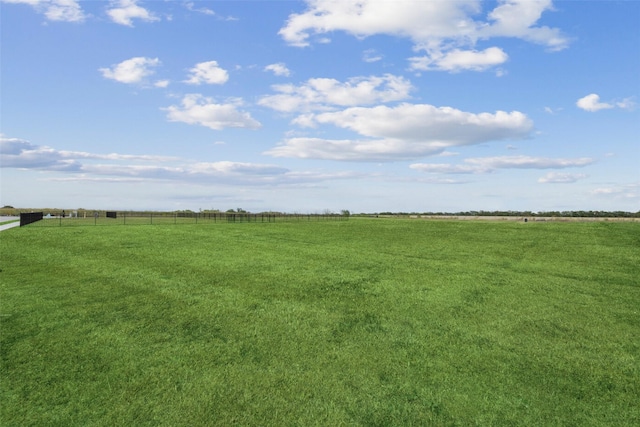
(345, 212)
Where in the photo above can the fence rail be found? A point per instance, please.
(158, 218)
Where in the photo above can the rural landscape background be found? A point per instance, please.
(319, 213)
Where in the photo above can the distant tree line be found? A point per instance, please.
(80, 212)
(553, 214)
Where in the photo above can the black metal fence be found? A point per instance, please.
(141, 218)
(29, 218)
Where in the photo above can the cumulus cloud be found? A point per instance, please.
(324, 93)
(65, 10)
(446, 31)
(561, 178)
(592, 103)
(56, 10)
(480, 165)
(407, 131)
(419, 21)
(123, 12)
(518, 18)
(199, 110)
(134, 70)
(279, 69)
(441, 127)
(207, 72)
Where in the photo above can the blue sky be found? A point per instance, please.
(309, 106)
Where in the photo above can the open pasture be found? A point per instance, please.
(359, 322)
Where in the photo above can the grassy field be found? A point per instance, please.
(362, 322)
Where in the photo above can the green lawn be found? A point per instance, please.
(359, 322)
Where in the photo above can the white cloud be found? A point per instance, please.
(231, 172)
(278, 69)
(133, 70)
(126, 168)
(192, 7)
(114, 156)
(65, 10)
(419, 21)
(626, 104)
(19, 153)
(448, 154)
(162, 83)
(527, 162)
(323, 93)
(407, 131)
(207, 72)
(551, 110)
(445, 168)
(349, 150)
(123, 12)
(226, 167)
(592, 103)
(458, 60)
(439, 126)
(55, 10)
(370, 55)
(517, 18)
(620, 191)
(480, 165)
(199, 110)
(561, 178)
(29, 2)
(445, 31)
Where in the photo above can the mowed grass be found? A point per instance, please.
(360, 322)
